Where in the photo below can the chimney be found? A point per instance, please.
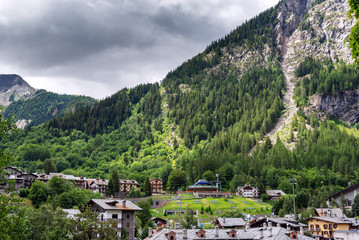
(270, 224)
(264, 225)
(269, 230)
(224, 219)
(216, 231)
(149, 232)
(184, 233)
(124, 203)
(301, 230)
(260, 231)
(247, 226)
(288, 227)
(177, 226)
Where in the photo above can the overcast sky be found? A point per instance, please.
(97, 47)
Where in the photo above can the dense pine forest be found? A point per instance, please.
(43, 106)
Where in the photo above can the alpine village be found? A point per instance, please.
(257, 137)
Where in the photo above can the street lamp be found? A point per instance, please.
(293, 181)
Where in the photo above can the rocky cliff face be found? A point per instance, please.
(12, 88)
(344, 106)
(321, 33)
(290, 16)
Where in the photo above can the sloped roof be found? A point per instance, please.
(202, 182)
(231, 222)
(292, 223)
(273, 193)
(129, 181)
(108, 204)
(349, 189)
(71, 212)
(223, 234)
(333, 220)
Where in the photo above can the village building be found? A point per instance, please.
(247, 191)
(275, 195)
(80, 182)
(202, 188)
(325, 227)
(224, 222)
(18, 179)
(346, 235)
(97, 185)
(126, 186)
(274, 233)
(120, 211)
(202, 185)
(71, 213)
(278, 222)
(348, 195)
(156, 185)
(329, 212)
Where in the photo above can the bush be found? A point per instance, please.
(24, 192)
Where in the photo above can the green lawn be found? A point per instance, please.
(245, 205)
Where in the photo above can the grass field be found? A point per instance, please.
(245, 205)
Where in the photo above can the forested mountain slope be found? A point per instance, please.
(207, 114)
(42, 106)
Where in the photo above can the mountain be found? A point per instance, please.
(33, 107)
(13, 88)
(237, 109)
(42, 106)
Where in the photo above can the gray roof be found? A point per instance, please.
(71, 212)
(272, 193)
(231, 222)
(127, 181)
(291, 223)
(335, 220)
(252, 233)
(109, 204)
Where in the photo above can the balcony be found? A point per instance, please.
(118, 220)
(116, 223)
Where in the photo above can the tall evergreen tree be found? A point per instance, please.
(147, 187)
(113, 187)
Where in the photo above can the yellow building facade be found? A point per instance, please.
(324, 227)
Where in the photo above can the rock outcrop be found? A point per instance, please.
(344, 106)
(321, 34)
(12, 88)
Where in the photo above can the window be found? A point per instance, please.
(325, 233)
(114, 216)
(312, 227)
(335, 226)
(325, 226)
(128, 224)
(128, 215)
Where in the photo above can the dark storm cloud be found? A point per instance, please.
(96, 47)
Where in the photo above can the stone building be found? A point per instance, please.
(120, 211)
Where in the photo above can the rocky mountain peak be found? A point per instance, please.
(12, 88)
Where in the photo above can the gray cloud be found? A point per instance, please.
(96, 47)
